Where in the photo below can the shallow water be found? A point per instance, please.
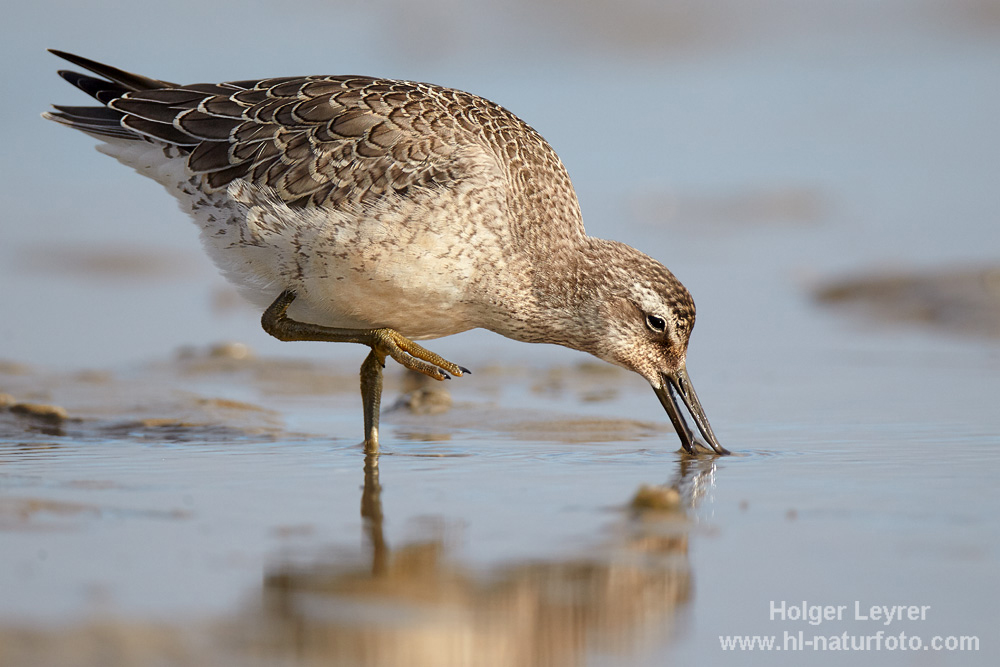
(184, 503)
(197, 509)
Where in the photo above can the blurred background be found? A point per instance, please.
(820, 138)
(823, 175)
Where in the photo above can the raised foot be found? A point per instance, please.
(389, 342)
(383, 342)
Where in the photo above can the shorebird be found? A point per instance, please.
(380, 212)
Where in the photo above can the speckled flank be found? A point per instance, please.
(389, 204)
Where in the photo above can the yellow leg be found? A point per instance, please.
(383, 342)
(371, 398)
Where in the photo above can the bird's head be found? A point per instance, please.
(643, 317)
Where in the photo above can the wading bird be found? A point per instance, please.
(374, 211)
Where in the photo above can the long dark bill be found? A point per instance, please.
(678, 383)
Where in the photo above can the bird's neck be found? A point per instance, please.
(565, 289)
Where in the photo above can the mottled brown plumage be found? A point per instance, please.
(379, 211)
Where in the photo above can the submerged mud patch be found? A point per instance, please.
(964, 301)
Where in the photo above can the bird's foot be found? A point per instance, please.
(389, 342)
(383, 342)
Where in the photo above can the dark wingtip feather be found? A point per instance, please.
(93, 126)
(128, 80)
(90, 113)
(101, 90)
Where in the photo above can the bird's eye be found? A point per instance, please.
(656, 323)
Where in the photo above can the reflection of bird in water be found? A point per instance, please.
(381, 212)
(371, 513)
(416, 605)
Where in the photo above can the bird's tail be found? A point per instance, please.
(99, 121)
